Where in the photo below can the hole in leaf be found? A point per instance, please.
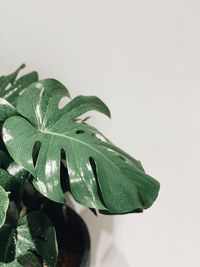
(99, 137)
(80, 132)
(94, 169)
(85, 119)
(64, 174)
(35, 152)
(93, 211)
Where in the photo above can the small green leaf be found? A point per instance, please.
(12, 176)
(100, 175)
(10, 88)
(13, 183)
(19, 87)
(34, 234)
(4, 202)
(8, 182)
(9, 79)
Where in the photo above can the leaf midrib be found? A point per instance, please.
(86, 144)
(79, 141)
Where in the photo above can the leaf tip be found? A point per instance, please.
(22, 66)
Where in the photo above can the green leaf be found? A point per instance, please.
(13, 184)
(4, 202)
(14, 263)
(30, 260)
(8, 182)
(7, 163)
(33, 235)
(6, 110)
(10, 88)
(9, 79)
(12, 176)
(101, 176)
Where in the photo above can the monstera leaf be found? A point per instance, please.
(42, 138)
(34, 235)
(10, 88)
(4, 202)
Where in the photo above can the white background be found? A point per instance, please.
(143, 59)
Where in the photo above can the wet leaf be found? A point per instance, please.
(100, 175)
(34, 235)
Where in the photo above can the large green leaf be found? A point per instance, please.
(4, 202)
(33, 235)
(101, 176)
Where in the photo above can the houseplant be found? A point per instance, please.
(46, 151)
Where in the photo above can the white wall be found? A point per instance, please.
(143, 59)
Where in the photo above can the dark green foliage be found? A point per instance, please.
(57, 152)
(33, 235)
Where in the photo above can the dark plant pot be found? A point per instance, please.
(72, 235)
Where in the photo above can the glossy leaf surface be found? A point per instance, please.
(101, 176)
(4, 202)
(34, 234)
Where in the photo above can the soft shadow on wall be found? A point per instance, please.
(101, 230)
(104, 251)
